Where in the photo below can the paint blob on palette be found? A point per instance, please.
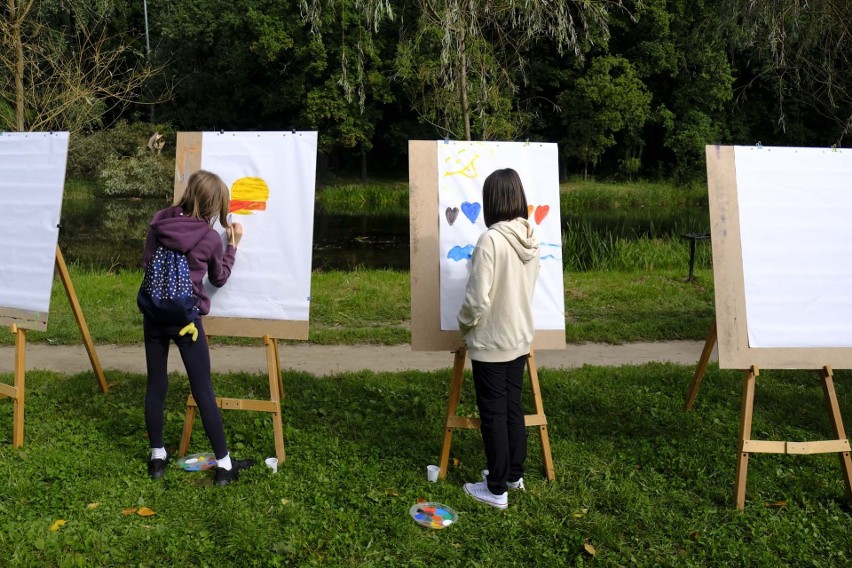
(433, 515)
(197, 462)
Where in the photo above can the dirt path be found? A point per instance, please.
(330, 359)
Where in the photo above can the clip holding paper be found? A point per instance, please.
(221, 131)
(527, 142)
(446, 139)
(834, 147)
(759, 146)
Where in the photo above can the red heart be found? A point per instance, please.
(541, 212)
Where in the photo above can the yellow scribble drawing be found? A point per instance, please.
(249, 194)
(468, 171)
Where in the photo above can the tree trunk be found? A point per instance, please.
(15, 17)
(363, 162)
(463, 80)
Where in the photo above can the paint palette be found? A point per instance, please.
(197, 462)
(433, 515)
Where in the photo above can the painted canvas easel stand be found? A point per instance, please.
(464, 422)
(16, 390)
(709, 343)
(272, 406)
(747, 446)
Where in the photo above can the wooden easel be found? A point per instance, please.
(453, 421)
(747, 446)
(16, 391)
(709, 343)
(272, 406)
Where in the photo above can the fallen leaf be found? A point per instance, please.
(391, 493)
(57, 524)
(421, 500)
(693, 535)
(589, 549)
(456, 462)
(129, 511)
(91, 506)
(285, 501)
(145, 512)
(775, 505)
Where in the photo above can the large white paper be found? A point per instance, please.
(271, 278)
(795, 207)
(32, 175)
(462, 169)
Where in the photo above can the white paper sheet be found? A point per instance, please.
(795, 207)
(32, 176)
(271, 278)
(462, 169)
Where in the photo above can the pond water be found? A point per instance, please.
(110, 233)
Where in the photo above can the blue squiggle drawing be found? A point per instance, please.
(458, 253)
(551, 245)
(550, 256)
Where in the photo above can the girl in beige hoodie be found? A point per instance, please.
(496, 324)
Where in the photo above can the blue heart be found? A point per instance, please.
(471, 210)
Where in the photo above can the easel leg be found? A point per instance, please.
(20, 374)
(702, 368)
(455, 396)
(837, 424)
(188, 421)
(745, 435)
(549, 470)
(81, 321)
(274, 369)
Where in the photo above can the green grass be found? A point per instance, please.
(374, 306)
(665, 196)
(637, 478)
(364, 199)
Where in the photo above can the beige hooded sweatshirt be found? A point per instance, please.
(495, 319)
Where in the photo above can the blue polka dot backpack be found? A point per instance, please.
(166, 292)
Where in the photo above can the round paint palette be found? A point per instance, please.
(197, 462)
(433, 515)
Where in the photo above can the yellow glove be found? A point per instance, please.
(190, 329)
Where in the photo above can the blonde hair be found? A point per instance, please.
(206, 198)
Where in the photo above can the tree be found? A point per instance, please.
(607, 100)
(62, 67)
(483, 44)
(805, 48)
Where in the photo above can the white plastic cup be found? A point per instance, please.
(432, 472)
(272, 463)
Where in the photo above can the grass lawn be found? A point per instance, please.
(374, 306)
(639, 482)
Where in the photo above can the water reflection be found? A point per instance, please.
(110, 233)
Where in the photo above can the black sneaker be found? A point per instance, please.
(157, 467)
(225, 476)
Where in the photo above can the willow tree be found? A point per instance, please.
(463, 60)
(62, 67)
(805, 48)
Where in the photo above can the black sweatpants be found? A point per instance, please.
(504, 434)
(196, 359)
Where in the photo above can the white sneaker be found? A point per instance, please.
(480, 492)
(519, 484)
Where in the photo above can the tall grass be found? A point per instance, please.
(587, 248)
(364, 199)
(662, 196)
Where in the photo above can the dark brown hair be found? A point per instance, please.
(206, 198)
(503, 197)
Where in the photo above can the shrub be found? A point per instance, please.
(142, 175)
(89, 153)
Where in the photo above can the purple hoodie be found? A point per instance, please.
(201, 245)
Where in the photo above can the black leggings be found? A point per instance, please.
(504, 433)
(196, 359)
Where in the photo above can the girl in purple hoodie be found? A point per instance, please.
(186, 227)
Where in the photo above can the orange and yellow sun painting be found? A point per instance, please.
(249, 194)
